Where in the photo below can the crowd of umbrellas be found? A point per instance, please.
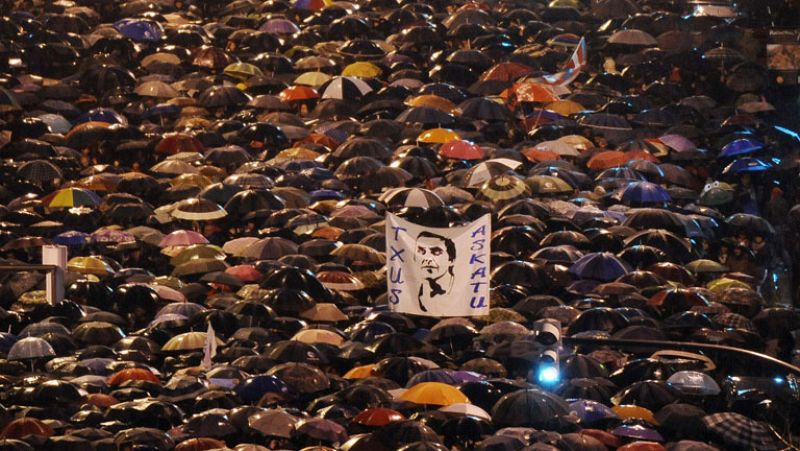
(225, 167)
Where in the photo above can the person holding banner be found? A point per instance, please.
(436, 256)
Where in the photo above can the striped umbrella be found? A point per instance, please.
(344, 88)
(503, 188)
(410, 197)
(195, 209)
(71, 197)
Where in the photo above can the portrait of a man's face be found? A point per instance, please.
(435, 256)
(431, 254)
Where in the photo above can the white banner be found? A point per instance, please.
(438, 271)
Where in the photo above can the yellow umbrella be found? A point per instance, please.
(324, 312)
(242, 71)
(435, 393)
(577, 141)
(362, 69)
(191, 180)
(723, 283)
(438, 136)
(314, 79)
(311, 336)
(565, 107)
(297, 153)
(360, 372)
(566, 4)
(90, 265)
(432, 101)
(635, 412)
(189, 341)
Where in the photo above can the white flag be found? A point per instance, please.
(438, 271)
(209, 348)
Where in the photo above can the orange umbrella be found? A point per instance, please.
(507, 71)
(607, 159)
(199, 444)
(530, 91)
(360, 372)
(132, 374)
(319, 138)
(299, 93)
(101, 400)
(640, 155)
(432, 101)
(25, 426)
(642, 446)
(535, 155)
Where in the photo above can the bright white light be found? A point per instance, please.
(549, 375)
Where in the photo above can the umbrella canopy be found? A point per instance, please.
(738, 430)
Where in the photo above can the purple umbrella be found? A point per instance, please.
(591, 412)
(742, 146)
(637, 431)
(601, 266)
(678, 143)
(279, 26)
(139, 30)
(639, 193)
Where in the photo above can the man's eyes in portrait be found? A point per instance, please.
(436, 251)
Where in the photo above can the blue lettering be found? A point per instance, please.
(479, 231)
(394, 295)
(477, 245)
(476, 286)
(396, 277)
(481, 302)
(396, 254)
(476, 259)
(397, 230)
(480, 272)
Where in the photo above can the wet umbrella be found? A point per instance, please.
(273, 423)
(530, 408)
(601, 266)
(738, 430)
(648, 394)
(30, 348)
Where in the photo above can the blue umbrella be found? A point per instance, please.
(106, 115)
(163, 109)
(7, 340)
(139, 30)
(600, 266)
(251, 390)
(741, 146)
(72, 238)
(326, 194)
(590, 412)
(645, 193)
(746, 165)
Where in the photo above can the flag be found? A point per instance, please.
(209, 348)
(580, 57)
(438, 271)
(560, 79)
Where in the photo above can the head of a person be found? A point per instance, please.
(434, 254)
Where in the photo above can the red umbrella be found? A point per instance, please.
(245, 273)
(462, 150)
(378, 416)
(23, 427)
(179, 142)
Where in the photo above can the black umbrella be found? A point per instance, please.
(530, 408)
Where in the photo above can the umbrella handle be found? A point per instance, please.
(709, 364)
